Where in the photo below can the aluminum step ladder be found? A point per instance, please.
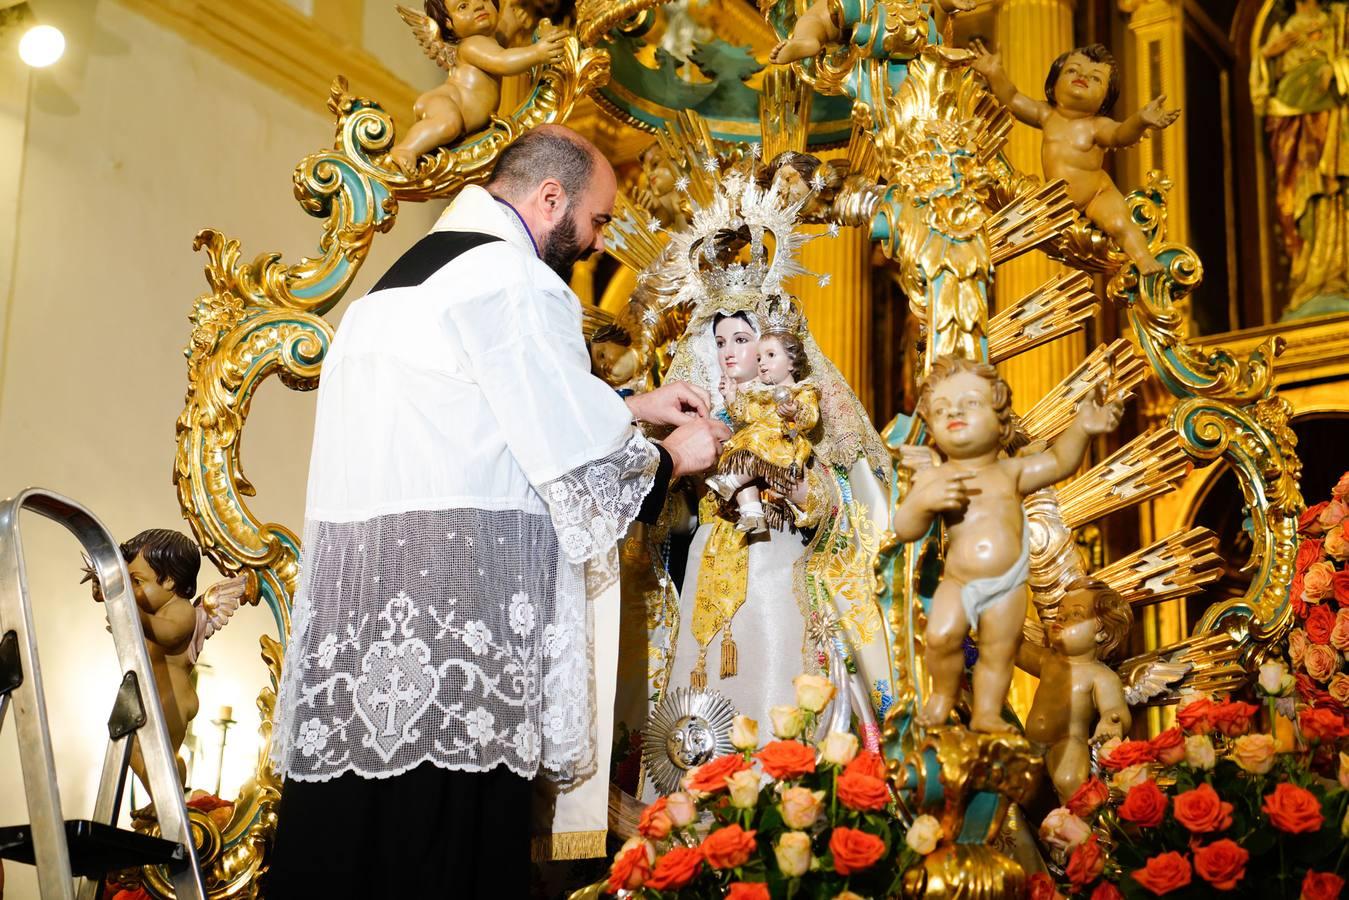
(90, 848)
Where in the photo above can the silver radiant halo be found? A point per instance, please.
(687, 729)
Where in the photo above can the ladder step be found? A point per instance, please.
(95, 849)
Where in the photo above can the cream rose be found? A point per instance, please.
(801, 807)
(1274, 678)
(1318, 582)
(787, 721)
(1339, 688)
(813, 692)
(681, 809)
(1254, 753)
(744, 733)
(1339, 635)
(1298, 642)
(1062, 830)
(793, 853)
(839, 748)
(744, 788)
(1344, 770)
(1337, 543)
(1321, 662)
(1199, 753)
(1129, 777)
(923, 835)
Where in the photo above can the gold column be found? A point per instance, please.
(839, 313)
(344, 18)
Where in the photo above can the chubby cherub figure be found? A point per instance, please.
(1081, 87)
(772, 414)
(816, 27)
(460, 36)
(978, 491)
(1078, 690)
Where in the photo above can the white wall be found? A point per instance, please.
(132, 145)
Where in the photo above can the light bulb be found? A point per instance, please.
(41, 46)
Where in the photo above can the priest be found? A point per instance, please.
(470, 479)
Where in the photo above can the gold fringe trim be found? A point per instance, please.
(729, 654)
(698, 677)
(744, 462)
(568, 845)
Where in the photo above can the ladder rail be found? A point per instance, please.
(51, 849)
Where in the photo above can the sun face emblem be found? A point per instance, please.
(687, 729)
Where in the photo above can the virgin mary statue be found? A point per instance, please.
(757, 609)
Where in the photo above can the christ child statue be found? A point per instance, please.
(1077, 688)
(978, 491)
(772, 415)
(461, 37)
(1081, 87)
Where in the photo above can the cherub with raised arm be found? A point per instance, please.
(1081, 88)
(773, 416)
(816, 28)
(1078, 690)
(460, 36)
(977, 489)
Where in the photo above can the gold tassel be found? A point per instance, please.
(698, 677)
(729, 655)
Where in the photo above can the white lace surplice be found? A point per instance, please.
(466, 467)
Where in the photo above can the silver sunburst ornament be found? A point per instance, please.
(687, 729)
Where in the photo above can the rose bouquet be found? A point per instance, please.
(1319, 596)
(788, 819)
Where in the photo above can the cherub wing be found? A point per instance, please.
(1148, 678)
(217, 606)
(427, 32)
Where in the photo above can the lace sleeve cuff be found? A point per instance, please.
(593, 505)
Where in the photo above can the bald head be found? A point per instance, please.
(562, 187)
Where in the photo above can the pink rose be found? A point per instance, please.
(1298, 643)
(1063, 830)
(1333, 513)
(1310, 520)
(1339, 688)
(1341, 488)
(1318, 583)
(1337, 543)
(1321, 662)
(1339, 635)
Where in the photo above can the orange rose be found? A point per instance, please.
(1339, 635)
(1222, 863)
(728, 848)
(1130, 753)
(748, 890)
(1293, 809)
(1341, 488)
(1321, 886)
(862, 792)
(1341, 583)
(1193, 717)
(1321, 662)
(1337, 543)
(786, 759)
(1088, 798)
(1086, 863)
(1339, 687)
(1254, 753)
(1320, 623)
(1201, 810)
(1320, 724)
(1308, 552)
(854, 850)
(1164, 873)
(655, 821)
(631, 868)
(675, 869)
(1310, 520)
(1318, 581)
(1233, 718)
(1145, 805)
(1297, 646)
(868, 762)
(1106, 891)
(710, 777)
(1169, 746)
(1040, 886)
(1333, 513)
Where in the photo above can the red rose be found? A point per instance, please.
(1106, 891)
(1201, 810)
(1321, 886)
(1040, 886)
(1293, 809)
(748, 890)
(728, 848)
(1306, 523)
(675, 869)
(869, 763)
(786, 759)
(1340, 585)
(1145, 805)
(1130, 753)
(1164, 873)
(655, 822)
(1320, 725)
(1222, 863)
(862, 792)
(1169, 746)
(1193, 717)
(1089, 797)
(1233, 718)
(1086, 863)
(1320, 623)
(630, 870)
(1308, 552)
(711, 777)
(854, 850)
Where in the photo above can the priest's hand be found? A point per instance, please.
(674, 403)
(695, 446)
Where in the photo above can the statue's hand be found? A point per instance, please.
(950, 7)
(941, 489)
(551, 47)
(788, 410)
(986, 64)
(1098, 417)
(1108, 728)
(1154, 116)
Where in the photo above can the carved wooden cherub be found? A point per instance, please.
(1077, 689)
(816, 27)
(978, 491)
(460, 36)
(1081, 87)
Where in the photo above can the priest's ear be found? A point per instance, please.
(551, 201)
